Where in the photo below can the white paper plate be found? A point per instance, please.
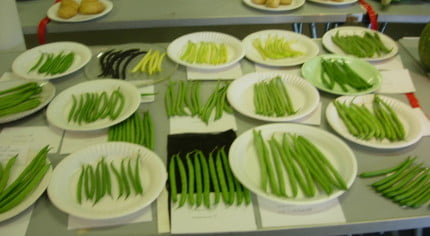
(93, 69)
(300, 43)
(62, 188)
(334, 3)
(411, 123)
(311, 71)
(294, 5)
(32, 198)
(58, 109)
(356, 30)
(244, 160)
(235, 50)
(52, 13)
(304, 96)
(22, 64)
(47, 94)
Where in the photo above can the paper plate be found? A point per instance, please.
(52, 13)
(299, 42)
(333, 2)
(168, 68)
(62, 187)
(22, 64)
(304, 96)
(356, 30)
(235, 51)
(294, 5)
(47, 94)
(245, 165)
(410, 121)
(58, 109)
(311, 71)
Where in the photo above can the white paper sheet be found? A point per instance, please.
(294, 70)
(187, 124)
(229, 73)
(276, 215)
(149, 90)
(396, 81)
(393, 63)
(74, 141)
(36, 137)
(144, 215)
(163, 217)
(220, 218)
(17, 226)
(9, 150)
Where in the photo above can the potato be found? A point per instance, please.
(273, 3)
(68, 9)
(91, 7)
(286, 2)
(259, 2)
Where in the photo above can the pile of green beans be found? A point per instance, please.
(275, 47)
(380, 122)
(195, 175)
(205, 53)
(20, 98)
(367, 45)
(271, 98)
(306, 167)
(89, 107)
(407, 183)
(135, 129)
(114, 62)
(338, 72)
(183, 99)
(52, 64)
(28, 180)
(95, 180)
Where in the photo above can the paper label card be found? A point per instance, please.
(35, 137)
(188, 124)
(74, 141)
(277, 215)
(218, 218)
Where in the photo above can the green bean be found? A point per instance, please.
(288, 163)
(119, 180)
(116, 110)
(413, 170)
(80, 185)
(222, 178)
(191, 178)
(395, 174)
(261, 159)
(172, 179)
(38, 63)
(125, 180)
(168, 100)
(214, 177)
(199, 181)
(184, 185)
(89, 182)
(268, 165)
(137, 175)
(229, 175)
(98, 183)
(6, 174)
(278, 168)
(206, 177)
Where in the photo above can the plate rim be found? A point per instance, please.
(330, 111)
(378, 75)
(301, 128)
(87, 54)
(246, 41)
(109, 145)
(333, 3)
(325, 39)
(255, 77)
(66, 92)
(205, 67)
(51, 13)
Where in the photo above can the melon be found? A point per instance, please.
(424, 47)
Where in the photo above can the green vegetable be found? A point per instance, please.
(367, 45)
(275, 47)
(205, 53)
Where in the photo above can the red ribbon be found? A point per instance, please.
(371, 13)
(413, 101)
(41, 30)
